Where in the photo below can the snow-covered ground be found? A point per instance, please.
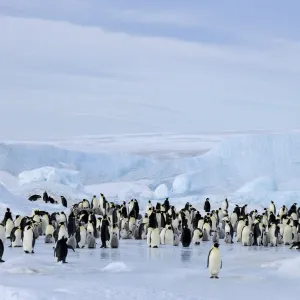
(253, 169)
(137, 272)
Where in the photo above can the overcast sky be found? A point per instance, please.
(75, 67)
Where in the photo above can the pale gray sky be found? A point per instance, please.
(71, 67)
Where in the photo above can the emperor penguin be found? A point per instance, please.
(16, 237)
(62, 231)
(283, 211)
(186, 237)
(45, 223)
(1, 251)
(239, 229)
(272, 208)
(8, 227)
(246, 239)
(197, 235)
(18, 221)
(287, 234)
(28, 240)
(114, 241)
(169, 236)
(81, 236)
(234, 219)
(94, 202)
(91, 241)
(225, 204)
(154, 238)
(64, 201)
(214, 261)
(176, 240)
(215, 237)
(61, 250)
(265, 241)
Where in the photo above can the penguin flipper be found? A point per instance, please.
(208, 258)
(71, 247)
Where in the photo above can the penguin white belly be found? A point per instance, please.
(9, 227)
(245, 236)
(196, 237)
(62, 218)
(27, 240)
(149, 231)
(95, 203)
(83, 235)
(49, 229)
(169, 237)
(131, 223)
(90, 228)
(224, 205)
(233, 219)
(162, 236)
(214, 261)
(36, 218)
(18, 239)
(45, 222)
(227, 228)
(200, 224)
(158, 218)
(213, 224)
(294, 217)
(62, 232)
(155, 240)
(287, 235)
(239, 229)
(175, 223)
(18, 222)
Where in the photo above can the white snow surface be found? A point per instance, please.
(137, 272)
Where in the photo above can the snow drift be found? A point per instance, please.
(50, 174)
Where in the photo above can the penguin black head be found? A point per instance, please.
(216, 245)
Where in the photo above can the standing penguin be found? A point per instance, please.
(28, 240)
(225, 205)
(214, 261)
(272, 208)
(207, 205)
(186, 237)
(61, 250)
(105, 236)
(64, 201)
(1, 251)
(114, 242)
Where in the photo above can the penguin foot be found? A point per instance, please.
(27, 252)
(32, 252)
(216, 277)
(10, 246)
(2, 261)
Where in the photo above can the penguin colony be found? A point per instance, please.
(160, 225)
